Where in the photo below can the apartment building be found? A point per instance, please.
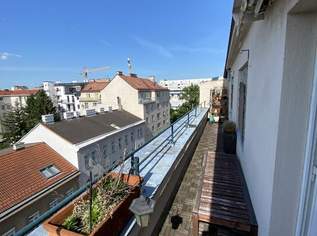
(206, 89)
(176, 86)
(143, 98)
(65, 96)
(90, 97)
(272, 71)
(12, 98)
(33, 178)
(106, 138)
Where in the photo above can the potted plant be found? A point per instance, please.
(229, 137)
(111, 198)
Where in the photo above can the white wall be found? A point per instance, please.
(42, 134)
(281, 58)
(265, 42)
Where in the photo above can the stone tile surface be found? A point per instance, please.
(181, 210)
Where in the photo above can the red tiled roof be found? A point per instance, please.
(95, 86)
(18, 92)
(20, 175)
(141, 84)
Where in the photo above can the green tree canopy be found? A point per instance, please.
(15, 125)
(38, 105)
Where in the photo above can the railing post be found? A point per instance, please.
(135, 170)
(188, 118)
(172, 133)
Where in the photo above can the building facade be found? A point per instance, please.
(206, 89)
(106, 138)
(272, 72)
(176, 86)
(33, 179)
(13, 98)
(91, 95)
(65, 96)
(143, 98)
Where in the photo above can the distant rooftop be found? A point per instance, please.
(95, 86)
(21, 176)
(18, 92)
(140, 83)
(81, 129)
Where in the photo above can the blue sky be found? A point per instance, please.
(54, 40)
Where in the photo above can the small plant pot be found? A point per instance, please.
(111, 225)
(229, 141)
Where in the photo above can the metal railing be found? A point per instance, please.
(176, 129)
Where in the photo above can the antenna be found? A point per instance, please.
(129, 66)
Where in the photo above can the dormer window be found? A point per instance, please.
(50, 171)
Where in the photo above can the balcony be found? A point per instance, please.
(89, 99)
(146, 100)
(171, 166)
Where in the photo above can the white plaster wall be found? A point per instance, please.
(128, 95)
(205, 89)
(42, 134)
(265, 40)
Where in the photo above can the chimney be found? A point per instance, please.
(152, 78)
(90, 112)
(68, 115)
(48, 119)
(119, 72)
(133, 75)
(18, 146)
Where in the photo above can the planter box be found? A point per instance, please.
(229, 141)
(111, 225)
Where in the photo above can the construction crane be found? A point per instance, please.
(96, 69)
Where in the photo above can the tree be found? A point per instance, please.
(38, 105)
(190, 95)
(15, 125)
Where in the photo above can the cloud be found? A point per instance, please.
(5, 55)
(37, 69)
(159, 49)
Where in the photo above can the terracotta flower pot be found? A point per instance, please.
(111, 225)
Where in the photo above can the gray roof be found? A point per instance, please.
(81, 129)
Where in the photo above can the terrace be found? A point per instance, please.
(170, 165)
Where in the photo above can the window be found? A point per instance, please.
(69, 192)
(158, 116)
(53, 203)
(132, 136)
(86, 105)
(112, 147)
(86, 158)
(231, 95)
(158, 106)
(104, 151)
(158, 125)
(94, 104)
(11, 232)
(147, 120)
(163, 122)
(93, 156)
(152, 118)
(119, 143)
(33, 217)
(152, 127)
(50, 171)
(126, 139)
(3, 107)
(242, 101)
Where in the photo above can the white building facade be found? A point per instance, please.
(176, 86)
(65, 96)
(272, 72)
(143, 98)
(106, 138)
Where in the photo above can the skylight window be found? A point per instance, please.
(50, 171)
